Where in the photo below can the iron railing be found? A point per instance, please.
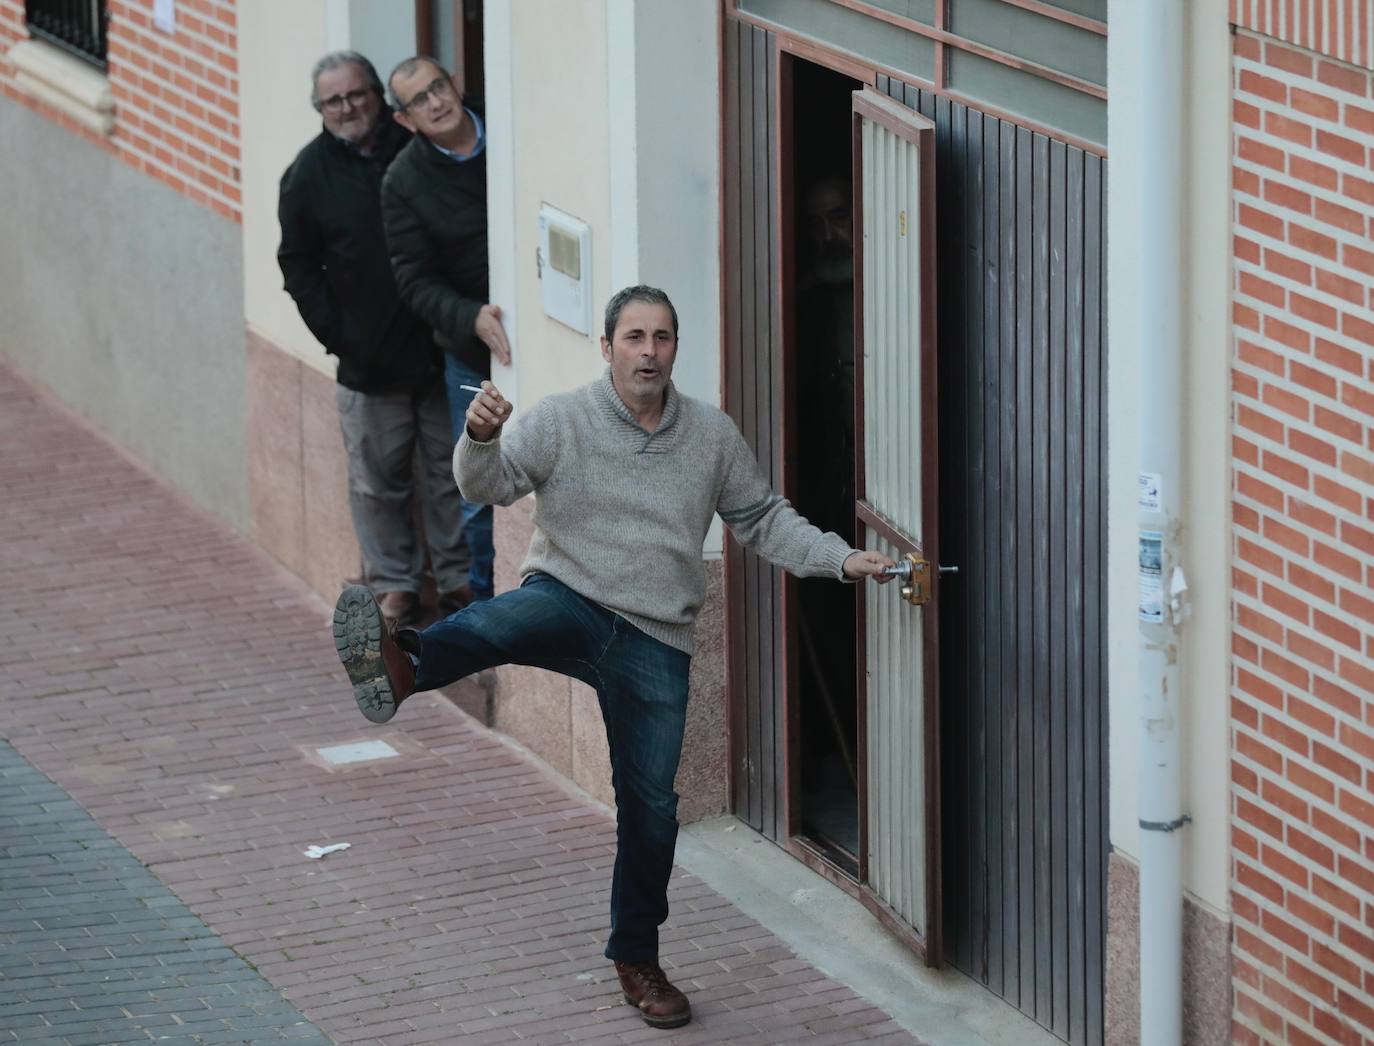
(77, 26)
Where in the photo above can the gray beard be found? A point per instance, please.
(360, 140)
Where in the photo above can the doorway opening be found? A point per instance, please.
(821, 397)
(451, 32)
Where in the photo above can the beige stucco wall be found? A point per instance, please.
(277, 45)
(1204, 417)
(614, 119)
(560, 137)
(1207, 654)
(607, 110)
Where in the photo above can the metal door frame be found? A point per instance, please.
(908, 123)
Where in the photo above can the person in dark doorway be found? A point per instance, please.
(435, 205)
(825, 492)
(627, 474)
(390, 392)
(825, 296)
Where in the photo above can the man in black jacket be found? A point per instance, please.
(390, 392)
(434, 200)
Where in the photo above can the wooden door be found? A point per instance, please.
(1021, 256)
(894, 179)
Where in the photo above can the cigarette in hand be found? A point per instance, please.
(469, 388)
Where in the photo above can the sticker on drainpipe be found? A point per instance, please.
(1151, 576)
(1148, 492)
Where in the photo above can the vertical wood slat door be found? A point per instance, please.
(895, 172)
(1023, 343)
(753, 368)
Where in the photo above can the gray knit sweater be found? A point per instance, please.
(620, 514)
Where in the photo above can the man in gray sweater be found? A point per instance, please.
(627, 475)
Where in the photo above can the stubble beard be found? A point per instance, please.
(359, 132)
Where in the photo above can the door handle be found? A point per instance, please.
(914, 574)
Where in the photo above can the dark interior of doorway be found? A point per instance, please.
(451, 31)
(823, 404)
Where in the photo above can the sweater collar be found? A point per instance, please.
(662, 439)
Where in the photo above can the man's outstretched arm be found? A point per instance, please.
(766, 522)
(861, 564)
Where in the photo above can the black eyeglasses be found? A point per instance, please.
(440, 86)
(335, 103)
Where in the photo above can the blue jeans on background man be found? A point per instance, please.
(477, 519)
(641, 685)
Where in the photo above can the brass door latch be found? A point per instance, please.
(914, 573)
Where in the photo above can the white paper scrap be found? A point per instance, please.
(316, 852)
(1150, 492)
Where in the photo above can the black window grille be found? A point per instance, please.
(77, 26)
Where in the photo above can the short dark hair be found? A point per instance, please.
(404, 68)
(333, 60)
(639, 293)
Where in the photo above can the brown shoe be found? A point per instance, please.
(452, 602)
(646, 988)
(380, 671)
(400, 609)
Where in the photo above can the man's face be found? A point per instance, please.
(430, 102)
(829, 230)
(642, 352)
(348, 103)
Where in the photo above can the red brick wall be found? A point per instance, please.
(1303, 548)
(1340, 29)
(176, 96)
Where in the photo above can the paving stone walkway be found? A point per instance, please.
(94, 949)
(179, 686)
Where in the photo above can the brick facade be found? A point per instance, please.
(1302, 684)
(176, 95)
(1339, 29)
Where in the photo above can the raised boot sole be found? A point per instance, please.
(358, 640)
(675, 1021)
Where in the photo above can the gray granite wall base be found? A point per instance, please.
(1206, 964)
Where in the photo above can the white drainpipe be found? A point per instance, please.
(1163, 588)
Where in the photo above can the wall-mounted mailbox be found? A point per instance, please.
(565, 268)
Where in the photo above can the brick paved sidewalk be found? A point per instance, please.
(178, 686)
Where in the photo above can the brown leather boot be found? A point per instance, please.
(647, 988)
(380, 671)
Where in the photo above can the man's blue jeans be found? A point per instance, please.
(477, 519)
(641, 684)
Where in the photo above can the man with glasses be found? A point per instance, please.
(434, 200)
(390, 392)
